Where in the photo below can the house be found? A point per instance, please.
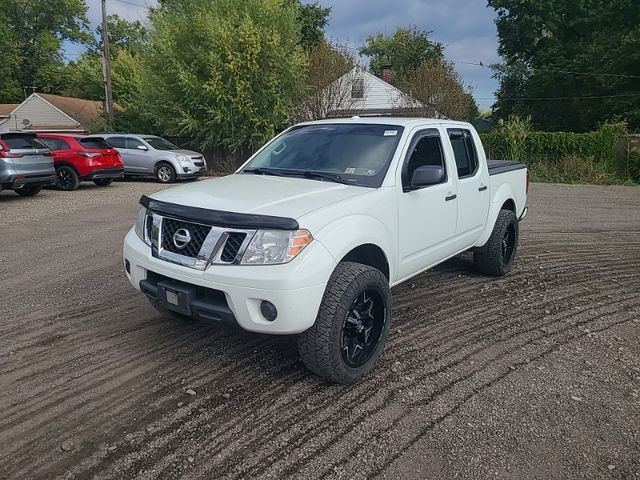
(43, 112)
(358, 92)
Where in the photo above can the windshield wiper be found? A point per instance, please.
(332, 177)
(263, 171)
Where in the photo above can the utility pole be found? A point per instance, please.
(106, 58)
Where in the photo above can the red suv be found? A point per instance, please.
(77, 158)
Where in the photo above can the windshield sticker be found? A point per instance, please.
(390, 133)
(371, 172)
(350, 170)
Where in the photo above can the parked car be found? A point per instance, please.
(26, 164)
(151, 155)
(311, 233)
(77, 158)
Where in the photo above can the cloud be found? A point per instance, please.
(465, 27)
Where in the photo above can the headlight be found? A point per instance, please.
(183, 159)
(140, 224)
(270, 247)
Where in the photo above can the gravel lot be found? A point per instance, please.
(536, 375)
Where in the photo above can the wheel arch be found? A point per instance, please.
(371, 255)
(504, 198)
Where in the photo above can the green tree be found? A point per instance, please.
(123, 34)
(569, 65)
(313, 20)
(225, 72)
(31, 36)
(406, 49)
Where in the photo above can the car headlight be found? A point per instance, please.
(271, 247)
(183, 159)
(140, 224)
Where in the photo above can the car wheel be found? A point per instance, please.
(103, 182)
(28, 191)
(497, 256)
(66, 178)
(352, 324)
(165, 173)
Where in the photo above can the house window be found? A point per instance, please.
(357, 88)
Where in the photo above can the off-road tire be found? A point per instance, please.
(28, 191)
(103, 182)
(165, 173)
(489, 259)
(69, 181)
(320, 346)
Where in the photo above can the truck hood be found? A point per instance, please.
(290, 197)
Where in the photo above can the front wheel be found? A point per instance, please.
(352, 324)
(67, 178)
(497, 256)
(103, 182)
(28, 191)
(165, 173)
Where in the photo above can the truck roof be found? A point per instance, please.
(383, 120)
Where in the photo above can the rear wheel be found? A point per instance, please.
(352, 325)
(66, 178)
(165, 173)
(497, 256)
(28, 191)
(103, 182)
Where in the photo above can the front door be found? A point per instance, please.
(427, 215)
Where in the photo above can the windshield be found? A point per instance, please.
(358, 154)
(160, 143)
(94, 142)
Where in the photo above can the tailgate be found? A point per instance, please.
(28, 156)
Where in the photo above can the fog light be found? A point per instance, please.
(268, 310)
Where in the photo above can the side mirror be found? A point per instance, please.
(142, 147)
(427, 175)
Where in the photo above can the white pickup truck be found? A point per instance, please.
(310, 234)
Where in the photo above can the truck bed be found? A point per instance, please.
(502, 166)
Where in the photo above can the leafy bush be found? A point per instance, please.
(558, 156)
(633, 165)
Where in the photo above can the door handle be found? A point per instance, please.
(482, 188)
(450, 197)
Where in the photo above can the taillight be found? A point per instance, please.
(4, 154)
(89, 155)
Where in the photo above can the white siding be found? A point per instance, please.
(39, 113)
(378, 94)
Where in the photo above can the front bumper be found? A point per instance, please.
(194, 172)
(295, 289)
(106, 173)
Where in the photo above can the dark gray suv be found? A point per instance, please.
(151, 155)
(26, 165)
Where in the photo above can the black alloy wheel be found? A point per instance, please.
(508, 244)
(362, 328)
(66, 178)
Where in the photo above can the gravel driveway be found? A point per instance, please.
(535, 375)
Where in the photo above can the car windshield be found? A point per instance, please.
(357, 154)
(94, 142)
(160, 143)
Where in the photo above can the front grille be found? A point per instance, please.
(232, 247)
(198, 164)
(197, 232)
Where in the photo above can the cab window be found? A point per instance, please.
(426, 149)
(117, 142)
(464, 151)
(133, 144)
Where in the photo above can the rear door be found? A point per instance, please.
(129, 159)
(29, 156)
(473, 185)
(60, 149)
(426, 216)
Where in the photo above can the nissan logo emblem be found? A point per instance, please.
(181, 238)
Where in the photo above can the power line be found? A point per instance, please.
(586, 97)
(134, 4)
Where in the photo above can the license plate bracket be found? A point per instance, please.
(176, 297)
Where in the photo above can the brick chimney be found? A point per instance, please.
(387, 73)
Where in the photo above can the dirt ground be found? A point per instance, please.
(536, 375)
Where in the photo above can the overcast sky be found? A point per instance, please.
(465, 27)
